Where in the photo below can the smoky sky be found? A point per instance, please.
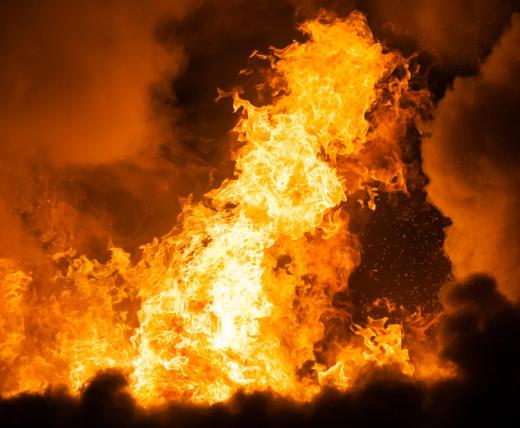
(80, 74)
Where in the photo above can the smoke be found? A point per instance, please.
(472, 160)
(83, 115)
(76, 77)
(457, 33)
(476, 332)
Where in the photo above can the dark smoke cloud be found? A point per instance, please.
(472, 159)
(478, 332)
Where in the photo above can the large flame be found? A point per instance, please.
(241, 295)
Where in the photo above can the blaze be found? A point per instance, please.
(242, 293)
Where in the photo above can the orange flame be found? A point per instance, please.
(239, 296)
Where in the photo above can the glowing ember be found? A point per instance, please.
(240, 295)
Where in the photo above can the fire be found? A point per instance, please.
(240, 295)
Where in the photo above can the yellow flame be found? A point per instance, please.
(239, 296)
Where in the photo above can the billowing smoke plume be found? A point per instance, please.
(472, 159)
(76, 77)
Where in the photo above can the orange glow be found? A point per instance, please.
(240, 295)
